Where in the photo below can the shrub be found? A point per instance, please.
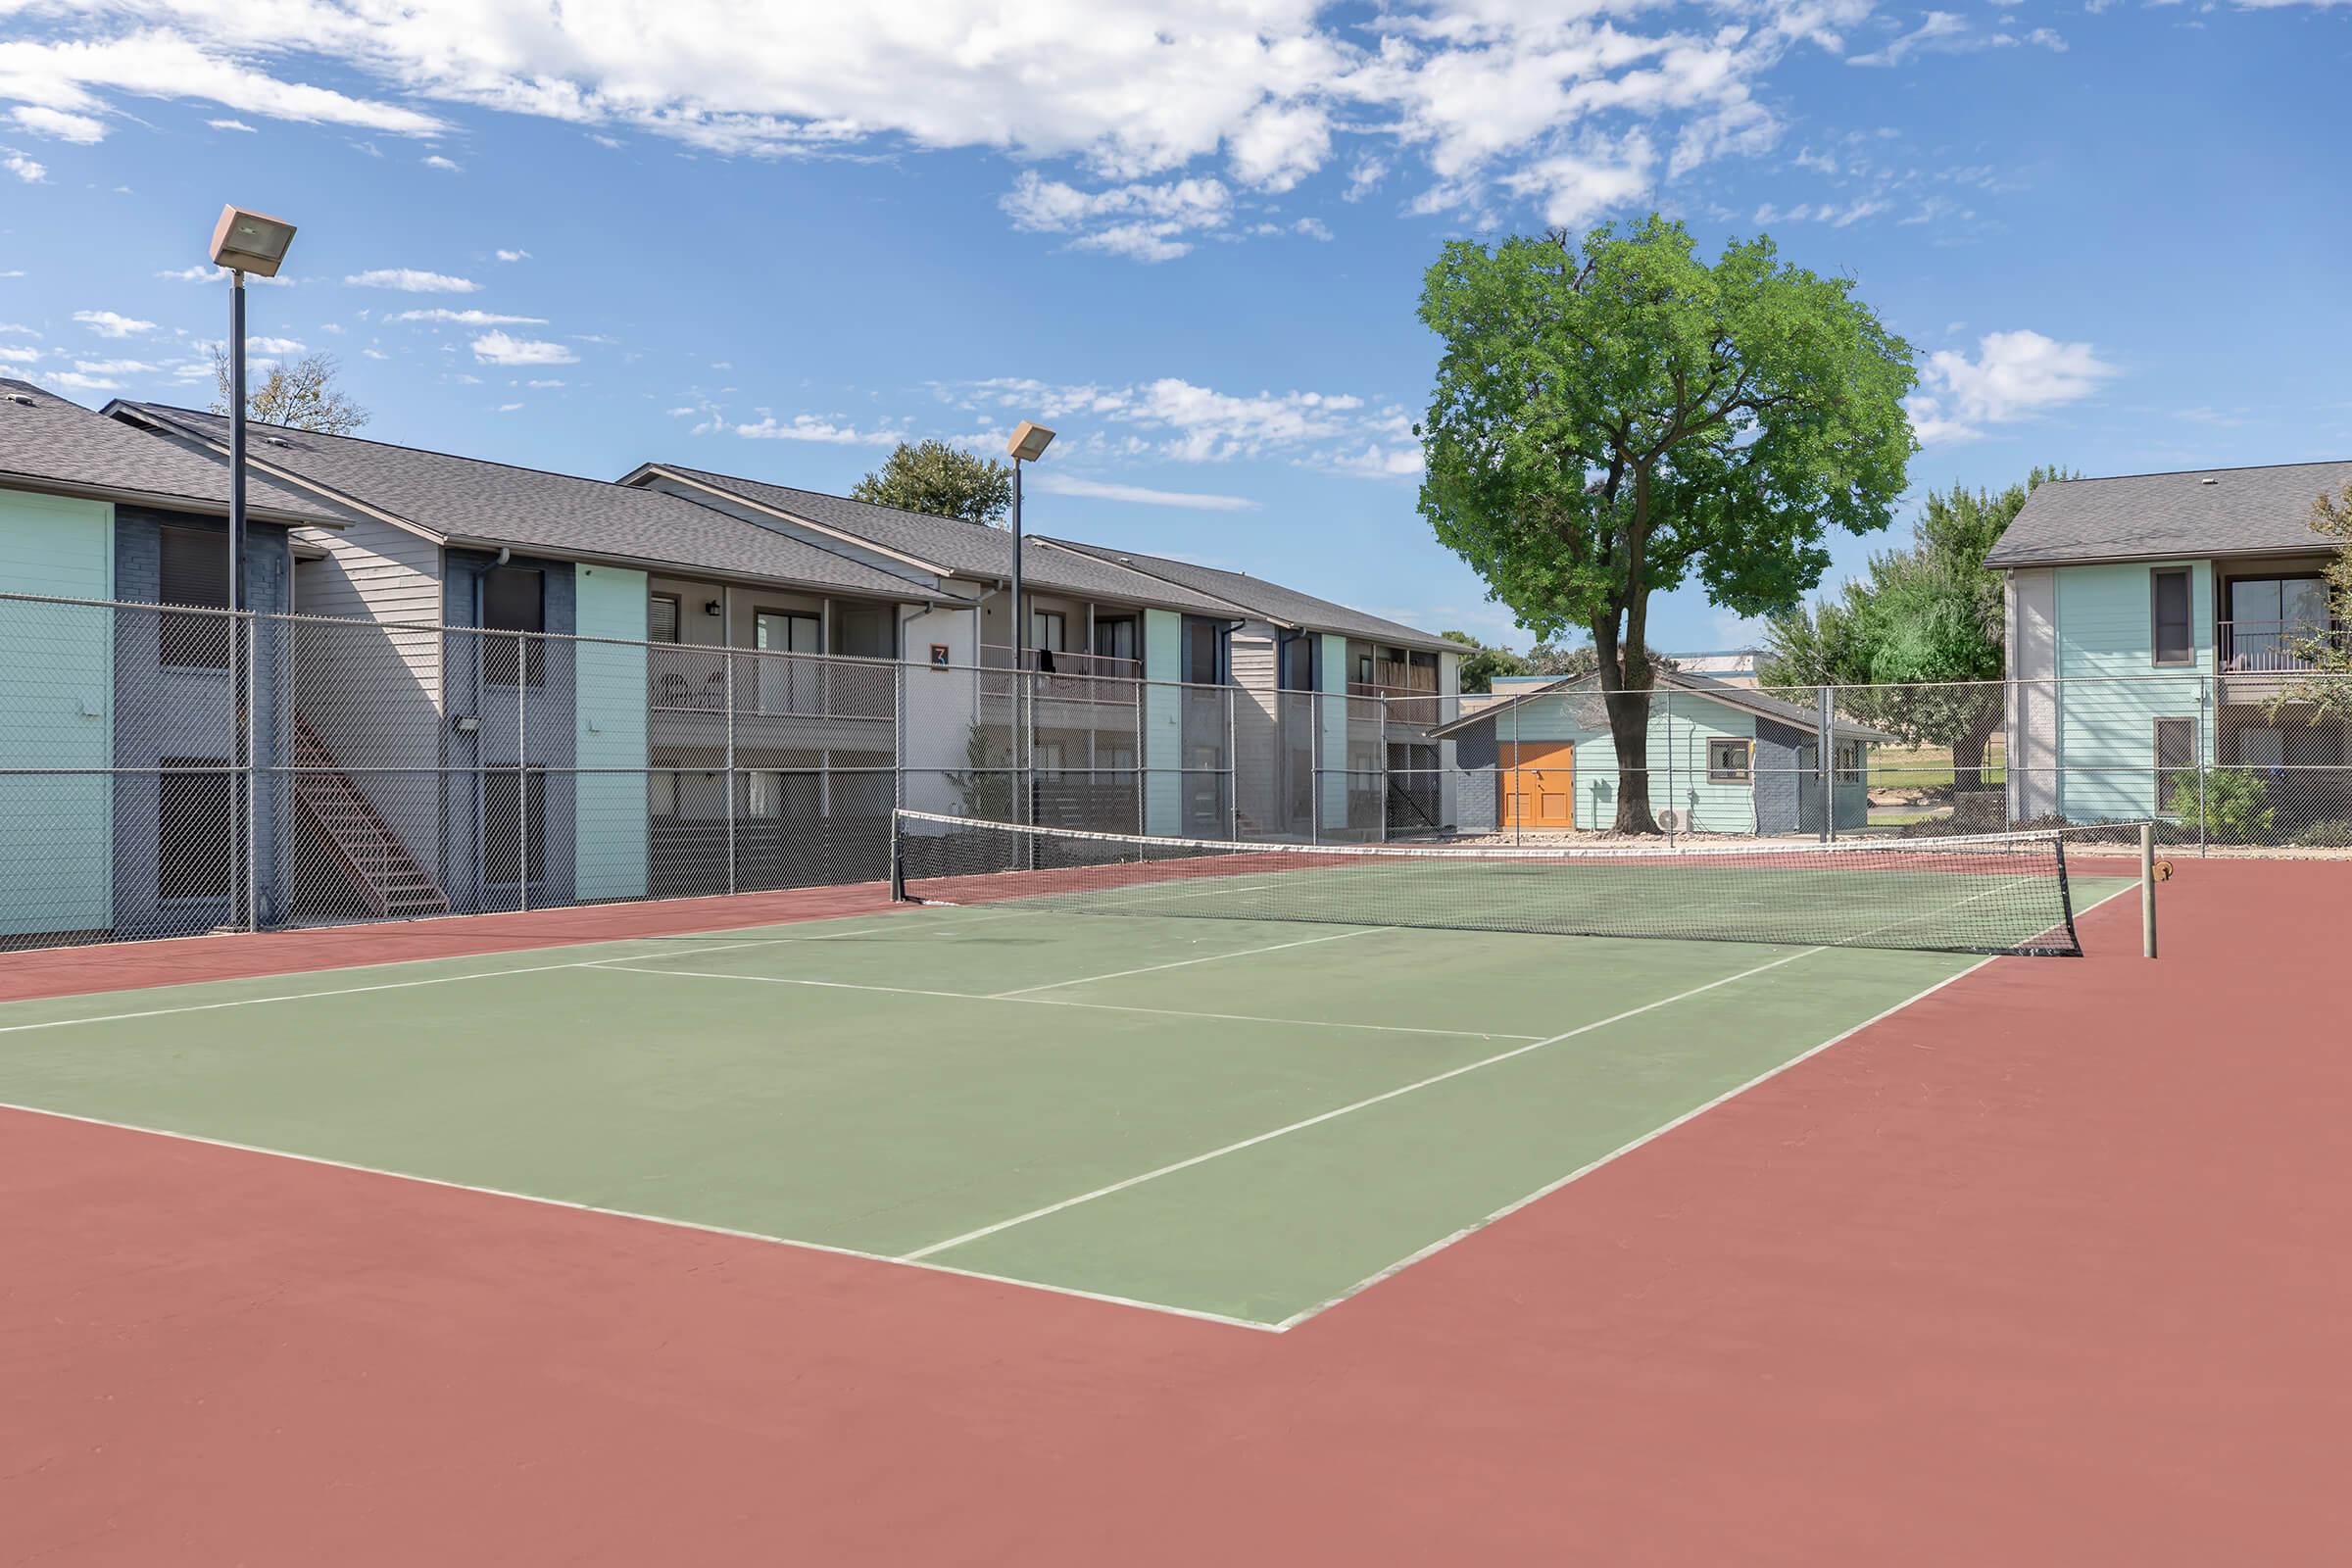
(2236, 805)
(2333, 835)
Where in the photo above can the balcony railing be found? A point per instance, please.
(770, 685)
(1411, 706)
(2264, 647)
(1071, 677)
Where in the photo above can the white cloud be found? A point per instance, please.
(467, 317)
(412, 280)
(18, 328)
(542, 385)
(498, 348)
(272, 345)
(82, 130)
(1941, 31)
(514, 256)
(809, 427)
(232, 124)
(206, 62)
(1377, 461)
(436, 161)
(1065, 484)
(372, 353)
(107, 323)
(1143, 221)
(1175, 419)
(2012, 376)
(113, 366)
(28, 169)
(16, 355)
(509, 408)
(1101, 96)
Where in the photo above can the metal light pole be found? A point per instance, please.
(1028, 444)
(243, 242)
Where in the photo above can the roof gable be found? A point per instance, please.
(50, 443)
(2156, 516)
(1270, 600)
(968, 550)
(1742, 697)
(479, 502)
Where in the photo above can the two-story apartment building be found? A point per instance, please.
(122, 729)
(2153, 620)
(539, 688)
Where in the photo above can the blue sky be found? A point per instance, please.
(1187, 234)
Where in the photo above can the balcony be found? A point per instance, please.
(1406, 706)
(1071, 677)
(788, 699)
(2276, 647)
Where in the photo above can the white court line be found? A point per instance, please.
(652, 1219)
(1650, 1137)
(1180, 963)
(620, 967)
(405, 985)
(1342, 1111)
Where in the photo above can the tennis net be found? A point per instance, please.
(2000, 893)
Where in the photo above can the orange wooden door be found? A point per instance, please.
(1538, 785)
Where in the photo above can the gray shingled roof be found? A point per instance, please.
(1756, 702)
(2201, 511)
(60, 446)
(966, 549)
(473, 501)
(1285, 606)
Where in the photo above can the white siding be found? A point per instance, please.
(2032, 608)
(1256, 732)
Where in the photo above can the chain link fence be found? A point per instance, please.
(167, 771)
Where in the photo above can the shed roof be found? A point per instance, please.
(54, 444)
(2154, 517)
(1745, 698)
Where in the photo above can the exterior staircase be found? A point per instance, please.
(379, 865)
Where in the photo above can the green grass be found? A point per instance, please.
(869, 1084)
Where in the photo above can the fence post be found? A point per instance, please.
(1232, 773)
(1510, 783)
(1668, 726)
(2147, 889)
(727, 696)
(253, 777)
(2205, 690)
(523, 765)
(1385, 782)
(1314, 767)
(1824, 755)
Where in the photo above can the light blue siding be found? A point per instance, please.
(1163, 723)
(2111, 692)
(1334, 758)
(611, 683)
(56, 705)
(1680, 723)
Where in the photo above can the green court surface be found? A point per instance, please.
(1238, 1118)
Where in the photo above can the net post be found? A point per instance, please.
(897, 859)
(2147, 890)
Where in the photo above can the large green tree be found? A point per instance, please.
(2326, 691)
(945, 481)
(1482, 663)
(1916, 641)
(1619, 418)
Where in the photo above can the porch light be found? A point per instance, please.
(251, 242)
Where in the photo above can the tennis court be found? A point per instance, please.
(1241, 1087)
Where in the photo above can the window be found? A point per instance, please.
(192, 828)
(2175, 637)
(2176, 763)
(1115, 639)
(1049, 630)
(1299, 663)
(661, 618)
(513, 599)
(1727, 759)
(1201, 641)
(194, 571)
(787, 685)
(1848, 755)
(502, 802)
(1363, 670)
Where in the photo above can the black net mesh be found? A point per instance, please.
(1999, 894)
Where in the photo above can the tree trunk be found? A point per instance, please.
(1968, 752)
(1629, 729)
